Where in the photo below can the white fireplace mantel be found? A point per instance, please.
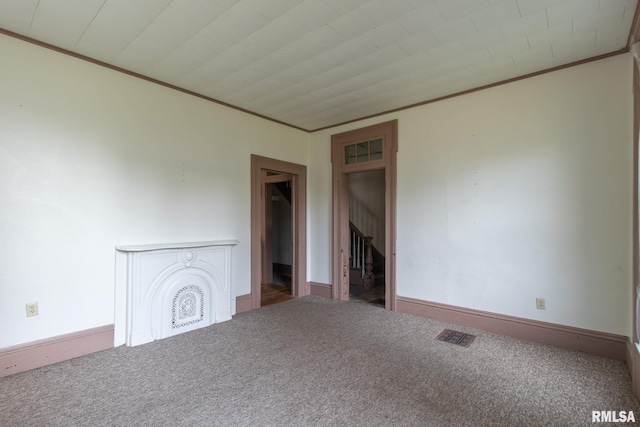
(173, 288)
(157, 246)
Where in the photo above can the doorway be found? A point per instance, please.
(269, 178)
(366, 149)
(277, 256)
(367, 236)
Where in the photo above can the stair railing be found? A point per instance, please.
(366, 221)
(362, 255)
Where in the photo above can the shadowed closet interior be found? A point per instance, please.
(276, 283)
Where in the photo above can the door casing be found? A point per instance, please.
(388, 132)
(259, 178)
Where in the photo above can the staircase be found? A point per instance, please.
(367, 221)
(366, 262)
(367, 237)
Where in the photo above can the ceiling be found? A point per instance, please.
(317, 63)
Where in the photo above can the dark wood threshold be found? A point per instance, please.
(275, 293)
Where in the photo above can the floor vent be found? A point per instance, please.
(455, 337)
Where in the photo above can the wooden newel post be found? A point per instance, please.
(369, 278)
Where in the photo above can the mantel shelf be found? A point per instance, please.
(158, 246)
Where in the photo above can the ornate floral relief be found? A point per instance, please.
(185, 306)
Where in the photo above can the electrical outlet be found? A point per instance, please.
(32, 309)
(540, 305)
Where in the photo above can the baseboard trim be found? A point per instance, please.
(320, 289)
(243, 303)
(633, 364)
(36, 354)
(592, 342)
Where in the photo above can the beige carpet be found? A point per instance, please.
(314, 361)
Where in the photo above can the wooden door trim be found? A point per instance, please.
(274, 179)
(388, 131)
(298, 173)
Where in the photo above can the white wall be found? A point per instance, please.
(91, 158)
(504, 195)
(508, 194)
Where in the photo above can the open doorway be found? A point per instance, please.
(273, 254)
(277, 252)
(367, 236)
(373, 148)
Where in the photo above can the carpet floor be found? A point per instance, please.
(319, 362)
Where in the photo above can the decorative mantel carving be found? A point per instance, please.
(175, 288)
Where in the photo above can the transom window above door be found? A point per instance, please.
(363, 151)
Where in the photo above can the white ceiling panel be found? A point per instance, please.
(17, 16)
(526, 25)
(389, 34)
(454, 9)
(78, 11)
(140, 56)
(346, 52)
(352, 24)
(156, 6)
(345, 6)
(167, 37)
(178, 22)
(317, 63)
(483, 40)
(533, 55)
(548, 36)
(122, 20)
(243, 20)
(569, 10)
(575, 47)
(494, 16)
(420, 43)
(314, 42)
(199, 79)
(313, 13)
(275, 35)
(455, 30)
(448, 51)
(510, 48)
(610, 39)
(224, 3)
(272, 8)
(599, 18)
(502, 66)
(383, 11)
(527, 7)
(63, 22)
(195, 52)
(422, 19)
(470, 59)
(101, 46)
(58, 32)
(197, 13)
